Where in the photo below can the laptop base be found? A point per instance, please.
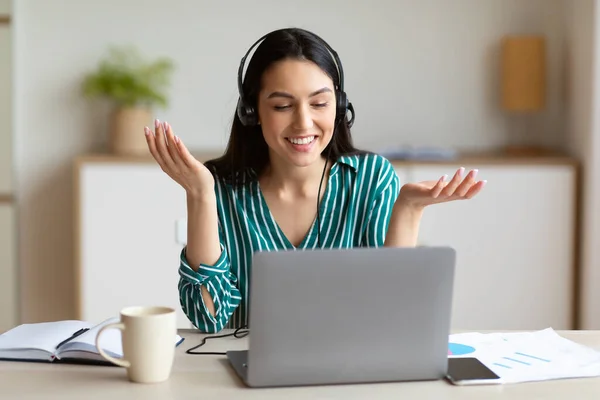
(239, 360)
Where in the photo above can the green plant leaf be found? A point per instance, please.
(127, 79)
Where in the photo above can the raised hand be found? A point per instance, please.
(425, 193)
(176, 161)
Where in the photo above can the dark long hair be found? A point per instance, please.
(247, 153)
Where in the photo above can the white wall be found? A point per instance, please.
(418, 72)
(6, 156)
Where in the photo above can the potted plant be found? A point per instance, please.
(135, 87)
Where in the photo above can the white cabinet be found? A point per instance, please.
(127, 251)
(514, 242)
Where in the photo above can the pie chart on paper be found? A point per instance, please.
(457, 349)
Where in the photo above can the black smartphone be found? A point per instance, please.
(470, 371)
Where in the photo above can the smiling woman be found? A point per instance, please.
(297, 125)
(290, 156)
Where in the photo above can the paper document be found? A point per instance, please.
(529, 356)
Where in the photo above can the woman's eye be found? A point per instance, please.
(285, 107)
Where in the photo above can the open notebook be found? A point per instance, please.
(38, 342)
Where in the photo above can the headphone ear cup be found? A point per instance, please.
(351, 110)
(341, 106)
(246, 114)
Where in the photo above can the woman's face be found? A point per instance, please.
(296, 109)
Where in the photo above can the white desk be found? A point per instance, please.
(211, 377)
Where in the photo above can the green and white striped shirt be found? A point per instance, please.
(356, 210)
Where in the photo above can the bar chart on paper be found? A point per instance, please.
(508, 361)
(528, 356)
(519, 359)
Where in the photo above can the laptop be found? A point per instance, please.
(344, 316)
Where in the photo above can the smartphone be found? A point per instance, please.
(470, 371)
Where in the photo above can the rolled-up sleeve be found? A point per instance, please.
(221, 285)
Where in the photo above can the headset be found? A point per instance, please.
(249, 117)
(247, 113)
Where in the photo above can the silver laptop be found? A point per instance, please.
(348, 316)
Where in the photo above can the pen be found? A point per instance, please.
(73, 336)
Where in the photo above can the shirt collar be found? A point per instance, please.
(345, 162)
(348, 161)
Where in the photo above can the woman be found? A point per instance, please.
(290, 156)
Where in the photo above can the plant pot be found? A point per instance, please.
(127, 131)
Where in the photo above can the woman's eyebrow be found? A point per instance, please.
(289, 96)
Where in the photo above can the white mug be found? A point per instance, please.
(148, 338)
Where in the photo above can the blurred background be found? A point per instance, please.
(89, 224)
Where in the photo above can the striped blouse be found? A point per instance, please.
(356, 209)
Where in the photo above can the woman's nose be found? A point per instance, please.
(303, 118)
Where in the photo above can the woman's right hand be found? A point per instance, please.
(176, 161)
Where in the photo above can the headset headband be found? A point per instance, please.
(333, 53)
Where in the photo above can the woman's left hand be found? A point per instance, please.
(425, 193)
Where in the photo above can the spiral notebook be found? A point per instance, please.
(62, 341)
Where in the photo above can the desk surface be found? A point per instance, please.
(210, 377)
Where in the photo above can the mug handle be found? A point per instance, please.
(118, 361)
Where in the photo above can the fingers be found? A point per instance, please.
(439, 186)
(176, 152)
(187, 159)
(454, 182)
(466, 184)
(151, 140)
(476, 188)
(458, 187)
(171, 144)
(161, 145)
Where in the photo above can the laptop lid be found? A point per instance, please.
(349, 315)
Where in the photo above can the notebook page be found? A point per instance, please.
(110, 341)
(44, 336)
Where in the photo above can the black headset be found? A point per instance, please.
(247, 113)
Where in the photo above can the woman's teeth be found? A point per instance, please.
(305, 140)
